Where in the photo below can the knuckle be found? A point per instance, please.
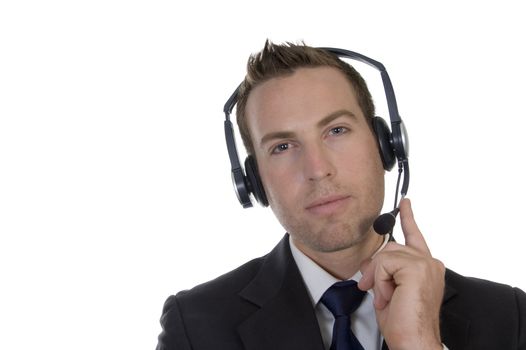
(432, 267)
(421, 265)
(439, 266)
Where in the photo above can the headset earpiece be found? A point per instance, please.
(254, 181)
(383, 135)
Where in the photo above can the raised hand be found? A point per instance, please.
(408, 285)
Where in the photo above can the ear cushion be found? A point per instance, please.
(254, 181)
(383, 135)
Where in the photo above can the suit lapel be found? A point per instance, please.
(454, 327)
(285, 318)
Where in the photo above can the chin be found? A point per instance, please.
(328, 240)
(330, 234)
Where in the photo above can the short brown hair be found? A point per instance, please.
(277, 60)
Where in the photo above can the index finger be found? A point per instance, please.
(412, 234)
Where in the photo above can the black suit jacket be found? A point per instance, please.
(264, 305)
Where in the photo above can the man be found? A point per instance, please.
(306, 118)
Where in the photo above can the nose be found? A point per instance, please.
(317, 163)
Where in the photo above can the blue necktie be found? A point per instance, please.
(342, 299)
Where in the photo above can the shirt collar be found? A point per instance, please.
(316, 279)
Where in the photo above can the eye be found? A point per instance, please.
(282, 147)
(338, 130)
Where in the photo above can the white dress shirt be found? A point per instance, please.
(317, 281)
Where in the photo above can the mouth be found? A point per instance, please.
(327, 205)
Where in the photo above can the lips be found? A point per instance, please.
(328, 204)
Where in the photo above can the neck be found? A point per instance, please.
(344, 263)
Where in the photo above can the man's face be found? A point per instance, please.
(317, 157)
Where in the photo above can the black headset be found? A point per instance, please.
(393, 144)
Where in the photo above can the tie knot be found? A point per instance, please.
(343, 298)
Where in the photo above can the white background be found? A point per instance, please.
(115, 186)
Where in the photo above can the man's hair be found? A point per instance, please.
(281, 60)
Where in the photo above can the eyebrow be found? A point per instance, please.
(326, 120)
(336, 115)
